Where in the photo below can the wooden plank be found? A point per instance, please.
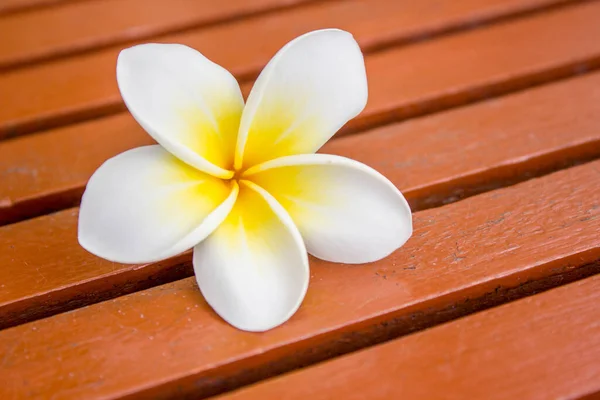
(542, 347)
(462, 257)
(403, 81)
(419, 156)
(11, 6)
(59, 31)
(48, 172)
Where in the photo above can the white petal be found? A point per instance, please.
(145, 205)
(187, 103)
(346, 211)
(313, 86)
(253, 270)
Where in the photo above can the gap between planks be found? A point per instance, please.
(19, 6)
(463, 256)
(526, 134)
(92, 90)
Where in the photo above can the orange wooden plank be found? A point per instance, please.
(542, 347)
(411, 78)
(48, 171)
(432, 160)
(463, 256)
(78, 26)
(10, 6)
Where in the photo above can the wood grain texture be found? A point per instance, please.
(404, 81)
(543, 347)
(432, 160)
(462, 256)
(84, 25)
(526, 134)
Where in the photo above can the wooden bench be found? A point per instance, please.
(485, 113)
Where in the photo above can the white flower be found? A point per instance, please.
(241, 185)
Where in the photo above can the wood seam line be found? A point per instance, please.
(31, 6)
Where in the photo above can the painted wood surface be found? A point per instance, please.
(404, 81)
(543, 347)
(77, 26)
(523, 165)
(464, 256)
(11, 6)
(504, 141)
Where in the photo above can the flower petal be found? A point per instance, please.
(253, 270)
(313, 86)
(346, 211)
(187, 103)
(145, 205)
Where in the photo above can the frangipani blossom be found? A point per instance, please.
(240, 184)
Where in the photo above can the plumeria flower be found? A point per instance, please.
(240, 184)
